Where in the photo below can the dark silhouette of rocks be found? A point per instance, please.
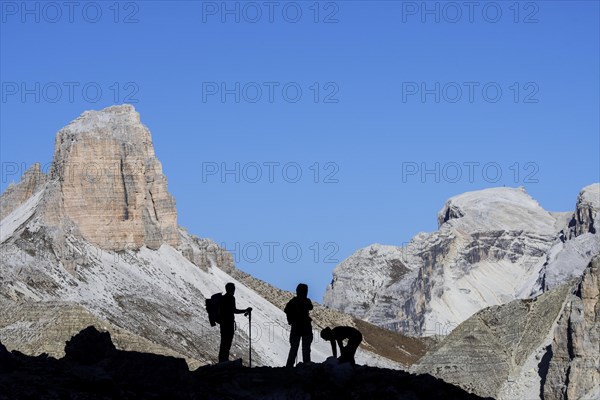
(6, 361)
(93, 369)
(89, 346)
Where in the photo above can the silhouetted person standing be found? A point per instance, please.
(339, 334)
(297, 310)
(227, 311)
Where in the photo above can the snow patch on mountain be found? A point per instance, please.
(19, 216)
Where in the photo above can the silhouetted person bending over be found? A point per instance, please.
(339, 334)
(296, 311)
(227, 311)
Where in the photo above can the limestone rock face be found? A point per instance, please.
(547, 347)
(483, 353)
(572, 364)
(492, 246)
(15, 195)
(368, 272)
(488, 250)
(578, 242)
(586, 211)
(111, 183)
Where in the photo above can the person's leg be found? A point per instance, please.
(351, 349)
(226, 341)
(307, 339)
(343, 354)
(294, 344)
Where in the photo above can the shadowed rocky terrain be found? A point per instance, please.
(93, 368)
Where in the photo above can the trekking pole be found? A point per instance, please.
(250, 336)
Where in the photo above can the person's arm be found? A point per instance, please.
(310, 305)
(333, 348)
(237, 311)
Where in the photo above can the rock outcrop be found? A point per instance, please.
(492, 246)
(89, 346)
(577, 243)
(111, 183)
(363, 277)
(570, 367)
(16, 194)
(546, 348)
(586, 212)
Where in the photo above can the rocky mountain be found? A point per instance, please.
(492, 246)
(94, 368)
(96, 242)
(111, 183)
(542, 348)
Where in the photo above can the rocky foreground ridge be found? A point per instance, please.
(93, 368)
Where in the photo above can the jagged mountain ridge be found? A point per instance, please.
(96, 241)
(492, 246)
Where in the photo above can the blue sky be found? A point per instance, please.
(368, 94)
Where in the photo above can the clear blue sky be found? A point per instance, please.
(369, 122)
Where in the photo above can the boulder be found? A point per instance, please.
(89, 346)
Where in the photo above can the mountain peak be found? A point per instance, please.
(115, 115)
(586, 211)
(121, 123)
(500, 208)
(111, 183)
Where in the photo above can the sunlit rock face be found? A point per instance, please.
(111, 183)
(492, 246)
(586, 212)
(546, 348)
(31, 181)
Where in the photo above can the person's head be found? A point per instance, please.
(326, 334)
(302, 290)
(230, 288)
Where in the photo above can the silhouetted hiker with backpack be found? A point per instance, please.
(221, 309)
(296, 311)
(338, 334)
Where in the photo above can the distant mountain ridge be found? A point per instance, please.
(492, 246)
(511, 290)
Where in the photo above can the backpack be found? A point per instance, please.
(291, 311)
(213, 306)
